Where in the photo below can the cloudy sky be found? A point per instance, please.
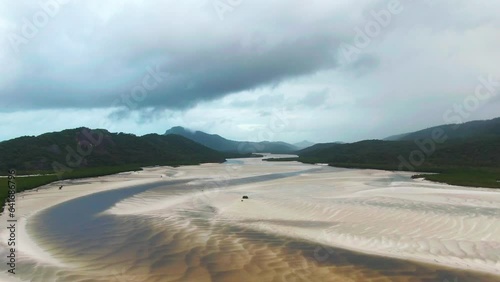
(338, 70)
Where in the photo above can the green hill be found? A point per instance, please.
(466, 154)
(317, 147)
(393, 154)
(82, 152)
(472, 129)
(84, 148)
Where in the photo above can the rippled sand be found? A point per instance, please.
(190, 247)
(189, 224)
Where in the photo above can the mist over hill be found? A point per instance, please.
(303, 144)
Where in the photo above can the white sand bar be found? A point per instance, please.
(372, 211)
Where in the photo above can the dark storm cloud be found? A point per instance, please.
(136, 57)
(213, 75)
(145, 65)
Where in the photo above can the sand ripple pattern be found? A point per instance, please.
(301, 223)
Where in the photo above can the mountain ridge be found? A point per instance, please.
(219, 143)
(471, 129)
(474, 144)
(83, 147)
(303, 144)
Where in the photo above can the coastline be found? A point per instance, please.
(264, 206)
(389, 243)
(271, 215)
(32, 202)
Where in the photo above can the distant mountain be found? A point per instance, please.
(473, 129)
(395, 155)
(395, 137)
(212, 141)
(82, 147)
(222, 144)
(317, 147)
(303, 144)
(472, 144)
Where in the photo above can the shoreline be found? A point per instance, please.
(31, 202)
(431, 172)
(432, 193)
(371, 246)
(34, 202)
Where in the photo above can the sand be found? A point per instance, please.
(371, 211)
(29, 203)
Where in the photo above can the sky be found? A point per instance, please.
(284, 70)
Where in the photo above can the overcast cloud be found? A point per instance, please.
(236, 67)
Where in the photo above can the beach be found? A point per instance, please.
(191, 223)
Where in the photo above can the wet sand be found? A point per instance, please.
(301, 223)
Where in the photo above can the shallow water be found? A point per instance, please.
(191, 244)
